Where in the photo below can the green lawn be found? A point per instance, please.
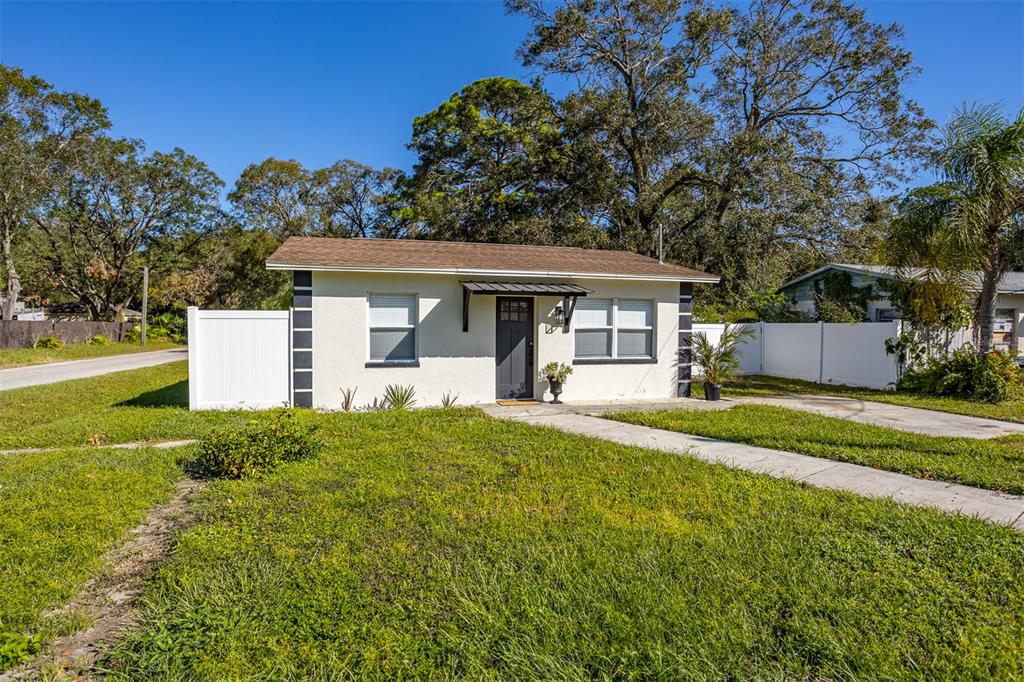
(59, 512)
(997, 464)
(18, 357)
(142, 404)
(441, 544)
(1011, 410)
(447, 544)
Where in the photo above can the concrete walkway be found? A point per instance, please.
(916, 420)
(824, 473)
(35, 375)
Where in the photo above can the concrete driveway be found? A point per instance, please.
(913, 419)
(35, 375)
(823, 473)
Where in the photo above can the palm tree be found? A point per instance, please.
(970, 222)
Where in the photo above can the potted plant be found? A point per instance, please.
(556, 373)
(718, 360)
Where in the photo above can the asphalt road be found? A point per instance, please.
(34, 375)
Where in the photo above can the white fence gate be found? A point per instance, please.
(850, 354)
(239, 359)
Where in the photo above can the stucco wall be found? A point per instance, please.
(463, 363)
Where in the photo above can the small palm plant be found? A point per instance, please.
(718, 360)
(348, 399)
(448, 400)
(399, 397)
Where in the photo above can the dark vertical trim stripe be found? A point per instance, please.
(302, 338)
(685, 335)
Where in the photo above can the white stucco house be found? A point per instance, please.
(480, 320)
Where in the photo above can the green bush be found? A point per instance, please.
(98, 340)
(15, 648)
(990, 378)
(49, 342)
(168, 326)
(269, 439)
(830, 310)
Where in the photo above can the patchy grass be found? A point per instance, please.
(19, 357)
(1010, 410)
(59, 513)
(444, 544)
(997, 464)
(142, 404)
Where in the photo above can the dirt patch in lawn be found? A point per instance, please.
(106, 603)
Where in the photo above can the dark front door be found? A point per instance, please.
(513, 348)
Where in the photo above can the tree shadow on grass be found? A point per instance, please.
(175, 395)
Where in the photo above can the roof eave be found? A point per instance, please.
(831, 266)
(702, 279)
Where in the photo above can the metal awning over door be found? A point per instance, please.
(569, 293)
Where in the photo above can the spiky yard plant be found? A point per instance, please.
(719, 360)
(398, 397)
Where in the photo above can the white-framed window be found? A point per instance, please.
(614, 328)
(393, 319)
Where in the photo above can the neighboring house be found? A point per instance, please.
(480, 320)
(1009, 302)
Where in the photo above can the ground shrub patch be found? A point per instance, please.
(441, 543)
(268, 440)
(996, 464)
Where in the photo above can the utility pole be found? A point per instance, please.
(145, 301)
(661, 242)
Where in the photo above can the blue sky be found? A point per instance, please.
(235, 82)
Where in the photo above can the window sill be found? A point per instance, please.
(615, 361)
(394, 363)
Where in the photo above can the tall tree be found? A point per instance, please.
(41, 134)
(753, 125)
(971, 221)
(356, 200)
(117, 202)
(346, 199)
(494, 166)
(277, 196)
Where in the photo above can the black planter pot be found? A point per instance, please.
(712, 391)
(556, 390)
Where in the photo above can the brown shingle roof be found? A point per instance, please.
(417, 254)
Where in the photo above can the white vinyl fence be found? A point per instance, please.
(850, 354)
(239, 359)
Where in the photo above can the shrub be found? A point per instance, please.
(98, 340)
(168, 326)
(49, 342)
(830, 310)
(991, 378)
(399, 397)
(269, 439)
(15, 648)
